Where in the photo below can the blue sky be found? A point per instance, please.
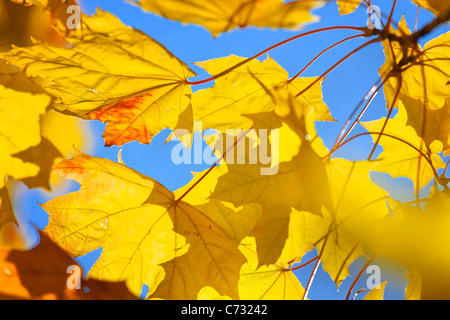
(342, 89)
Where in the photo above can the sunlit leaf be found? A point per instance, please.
(401, 156)
(135, 219)
(112, 73)
(41, 273)
(240, 93)
(222, 16)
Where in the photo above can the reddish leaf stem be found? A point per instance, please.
(303, 265)
(214, 77)
(359, 276)
(323, 52)
(391, 108)
(311, 278)
(213, 166)
(343, 136)
(446, 167)
(336, 65)
(396, 138)
(392, 13)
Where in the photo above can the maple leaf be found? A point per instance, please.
(334, 189)
(240, 93)
(222, 16)
(183, 280)
(41, 273)
(437, 123)
(376, 293)
(135, 219)
(66, 132)
(20, 131)
(27, 152)
(123, 77)
(355, 197)
(413, 290)
(416, 237)
(402, 155)
(423, 72)
(272, 282)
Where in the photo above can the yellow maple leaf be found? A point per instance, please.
(135, 85)
(240, 93)
(402, 155)
(19, 130)
(140, 226)
(413, 290)
(436, 126)
(376, 293)
(335, 189)
(41, 273)
(355, 197)
(222, 16)
(417, 238)
(423, 72)
(272, 282)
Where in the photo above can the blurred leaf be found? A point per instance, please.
(41, 273)
(219, 17)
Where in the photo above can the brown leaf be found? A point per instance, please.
(41, 273)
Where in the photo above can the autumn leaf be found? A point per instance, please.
(219, 17)
(26, 153)
(272, 282)
(212, 259)
(240, 93)
(237, 223)
(376, 293)
(10, 234)
(137, 86)
(355, 198)
(41, 273)
(244, 183)
(136, 219)
(19, 131)
(416, 237)
(66, 132)
(437, 123)
(423, 72)
(209, 293)
(402, 155)
(239, 229)
(413, 290)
